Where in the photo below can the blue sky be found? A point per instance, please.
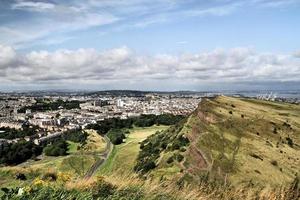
(157, 45)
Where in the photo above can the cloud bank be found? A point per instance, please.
(121, 66)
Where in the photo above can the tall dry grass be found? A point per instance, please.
(153, 189)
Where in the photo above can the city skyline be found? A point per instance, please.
(162, 45)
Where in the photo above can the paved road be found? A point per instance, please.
(100, 160)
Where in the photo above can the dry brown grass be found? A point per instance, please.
(153, 189)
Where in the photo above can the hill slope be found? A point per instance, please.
(231, 140)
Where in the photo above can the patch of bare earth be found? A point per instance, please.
(198, 161)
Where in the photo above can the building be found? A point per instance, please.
(48, 138)
(120, 103)
(11, 124)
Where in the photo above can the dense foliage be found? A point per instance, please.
(45, 106)
(113, 123)
(11, 133)
(58, 148)
(114, 127)
(15, 153)
(151, 148)
(78, 136)
(142, 121)
(117, 136)
(164, 119)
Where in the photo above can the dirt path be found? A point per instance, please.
(102, 157)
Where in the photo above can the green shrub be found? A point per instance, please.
(274, 162)
(21, 176)
(116, 136)
(179, 157)
(58, 148)
(170, 160)
(103, 190)
(290, 142)
(49, 176)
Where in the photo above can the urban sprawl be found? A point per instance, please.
(56, 114)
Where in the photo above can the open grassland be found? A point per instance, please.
(95, 143)
(232, 141)
(77, 162)
(123, 156)
(247, 141)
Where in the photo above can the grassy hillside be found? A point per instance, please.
(226, 140)
(231, 140)
(77, 162)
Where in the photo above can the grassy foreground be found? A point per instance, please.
(129, 187)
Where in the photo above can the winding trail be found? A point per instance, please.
(102, 157)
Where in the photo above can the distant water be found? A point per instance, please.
(290, 94)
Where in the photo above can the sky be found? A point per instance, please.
(164, 45)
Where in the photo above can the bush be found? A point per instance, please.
(116, 136)
(21, 176)
(170, 160)
(59, 148)
(49, 176)
(290, 142)
(103, 189)
(145, 166)
(78, 136)
(274, 162)
(179, 157)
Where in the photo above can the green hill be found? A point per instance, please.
(228, 140)
(228, 148)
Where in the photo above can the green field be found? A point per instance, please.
(123, 156)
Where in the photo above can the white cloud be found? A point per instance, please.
(297, 54)
(32, 6)
(122, 65)
(7, 55)
(274, 3)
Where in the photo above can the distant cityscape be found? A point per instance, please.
(56, 112)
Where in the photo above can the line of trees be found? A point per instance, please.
(115, 128)
(11, 133)
(60, 146)
(16, 153)
(45, 106)
(142, 121)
